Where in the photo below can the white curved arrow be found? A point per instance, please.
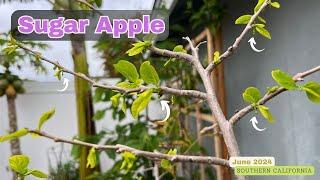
(252, 42)
(254, 122)
(66, 84)
(165, 105)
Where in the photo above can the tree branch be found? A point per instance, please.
(151, 155)
(236, 43)
(190, 93)
(171, 54)
(197, 39)
(298, 77)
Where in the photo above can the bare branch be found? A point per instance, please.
(235, 45)
(298, 77)
(171, 54)
(197, 39)
(207, 129)
(190, 93)
(194, 50)
(151, 155)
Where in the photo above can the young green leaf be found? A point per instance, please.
(272, 89)
(179, 48)
(263, 31)
(149, 74)
(92, 158)
(128, 160)
(128, 70)
(284, 79)
(17, 134)
(127, 85)
(262, 20)
(243, 19)
(141, 103)
(264, 110)
(259, 4)
(19, 164)
(275, 4)
(138, 48)
(166, 164)
(251, 95)
(45, 117)
(124, 105)
(216, 57)
(259, 25)
(99, 114)
(312, 90)
(115, 100)
(38, 174)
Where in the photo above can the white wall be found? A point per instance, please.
(294, 47)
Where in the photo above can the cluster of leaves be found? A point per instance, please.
(148, 75)
(19, 164)
(260, 25)
(284, 80)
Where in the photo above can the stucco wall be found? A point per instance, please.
(293, 138)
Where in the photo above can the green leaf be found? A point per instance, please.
(166, 164)
(92, 158)
(127, 85)
(141, 103)
(264, 110)
(263, 32)
(124, 105)
(258, 6)
(312, 90)
(128, 160)
(179, 48)
(275, 4)
(115, 100)
(45, 117)
(99, 115)
(172, 152)
(272, 89)
(58, 74)
(216, 57)
(98, 95)
(17, 134)
(149, 74)
(38, 174)
(243, 19)
(251, 95)
(259, 25)
(138, 48)
(284, 79)
(19, 164)
(128, 70)
(262, 20)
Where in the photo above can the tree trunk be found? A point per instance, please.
(221, 94)
(13, 127)
(84, 103)
(218, 139)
